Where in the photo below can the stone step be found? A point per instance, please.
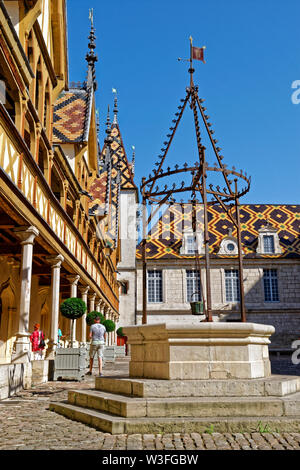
(197, 407)
(276, 385)
(118, 425)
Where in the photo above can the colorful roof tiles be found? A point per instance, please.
(71, 117)
(115, 175)
(165, 238)
(119, 159)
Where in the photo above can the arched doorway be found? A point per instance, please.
(7, 319)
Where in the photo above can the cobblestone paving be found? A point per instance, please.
(27, 424)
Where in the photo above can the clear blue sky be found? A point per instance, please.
(252, 58)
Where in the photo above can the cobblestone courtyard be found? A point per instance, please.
(27, 424)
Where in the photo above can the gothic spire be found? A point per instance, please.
(91, 57)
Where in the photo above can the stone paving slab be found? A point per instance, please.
(26, 423)
(276, 385)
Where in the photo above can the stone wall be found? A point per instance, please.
(287, 326)
(40, 372)
(13, 378)
(174, 286)
(127, 264)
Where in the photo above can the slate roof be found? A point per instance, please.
(165, 238)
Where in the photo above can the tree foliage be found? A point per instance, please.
(73, 308)
(120, 331)
(109, 325)
(91, 317)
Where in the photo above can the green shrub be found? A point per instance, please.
(120, 331)
(109, 325)
(91, 317)
(73, 308)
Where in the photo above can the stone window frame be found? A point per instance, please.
(268, 231)
(163, 285)
(124, 285)
(229, 304)
(232, 278)
(270, 302)
(223, 250)
(199, 249)
(186, 289)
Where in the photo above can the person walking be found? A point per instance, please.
(98, 336)
(60, 336)
(37, 339)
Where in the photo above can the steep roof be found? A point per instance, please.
(72, 115)
(119, 159)
(117, 171)
(165, 238)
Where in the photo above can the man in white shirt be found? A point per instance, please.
(97, 334)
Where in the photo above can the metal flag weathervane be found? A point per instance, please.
(199, 183)
(91, 15)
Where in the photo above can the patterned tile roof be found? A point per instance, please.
(71, 117)
(115, 175)
(165, 238)
(98, 190)
(119, 158)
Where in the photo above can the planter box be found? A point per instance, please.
(70, 363)
(109, 354)
(121, 340)
(120, 351)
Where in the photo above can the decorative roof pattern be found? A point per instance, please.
(165, 238)
(72, 115)
(98, 191)
(119, 159)
(117, 172)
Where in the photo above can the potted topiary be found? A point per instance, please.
(109, 325)
(90, 318)
(70, 363)
(73, 309)
(121, 338)
(110, 351)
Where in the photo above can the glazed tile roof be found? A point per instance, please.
(165, 238)
(71, 117)
(119, 158)
(114, 175)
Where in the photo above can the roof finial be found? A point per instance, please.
(91, 16)
(133, 160)
(97, 121)
(108, 139)
(91, 57)
(115, 106)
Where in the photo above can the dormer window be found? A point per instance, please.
(228, 245)
(192, 243)
(269, 245)
(268, 241)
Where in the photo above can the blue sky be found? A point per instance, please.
(252, 58)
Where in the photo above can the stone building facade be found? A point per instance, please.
(271, 268)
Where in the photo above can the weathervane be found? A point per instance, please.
(199, 172)
(91, 16)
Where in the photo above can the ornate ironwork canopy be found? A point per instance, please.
(236, 183)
